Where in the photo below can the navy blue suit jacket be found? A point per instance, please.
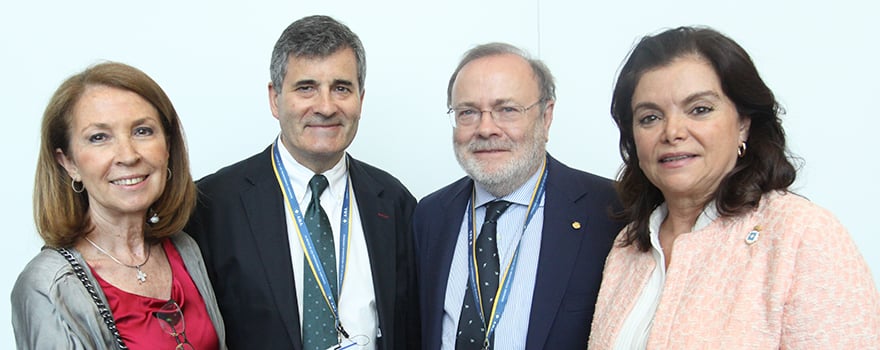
(240, 226)
(569, 266)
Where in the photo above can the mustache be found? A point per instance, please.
(482, 145)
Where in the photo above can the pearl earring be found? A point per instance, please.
(154, 219)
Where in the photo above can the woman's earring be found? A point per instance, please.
(741, 150)
(73, 186)
(154, 219)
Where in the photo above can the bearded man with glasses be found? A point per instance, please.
(511, 256)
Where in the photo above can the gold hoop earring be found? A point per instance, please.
(741, 150)
(73, 186)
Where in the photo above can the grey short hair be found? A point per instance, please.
(315, 37)
(546, 83)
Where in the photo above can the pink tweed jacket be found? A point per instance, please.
(801, 285)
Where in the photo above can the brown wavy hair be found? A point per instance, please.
(766, 165)
(60, 213)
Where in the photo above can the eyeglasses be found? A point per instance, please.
(170, 318)
(502, 114)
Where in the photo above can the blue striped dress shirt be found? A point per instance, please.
(513, 327)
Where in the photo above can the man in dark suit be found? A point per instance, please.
(538, 272)
(306, 246)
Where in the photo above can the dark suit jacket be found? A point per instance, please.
(569, 266)
(240, 226)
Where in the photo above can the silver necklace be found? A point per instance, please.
(141, 275)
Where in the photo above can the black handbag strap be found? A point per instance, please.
(102, 309)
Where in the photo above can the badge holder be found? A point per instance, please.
(351, 343)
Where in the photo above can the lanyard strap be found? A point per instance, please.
(506, 281)
(305, 239)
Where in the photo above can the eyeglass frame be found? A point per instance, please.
(453, 112)
(173, 332)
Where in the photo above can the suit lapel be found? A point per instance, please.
(379, 233)
(264, 208)
(560, 245)
(439, 255)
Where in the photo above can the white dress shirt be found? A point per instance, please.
(357, 299)
(514, 324)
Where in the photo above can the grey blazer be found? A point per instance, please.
(52, 310)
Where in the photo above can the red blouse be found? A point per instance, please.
(138, 326)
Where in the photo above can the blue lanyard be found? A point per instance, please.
(506, 281)
(305, 239)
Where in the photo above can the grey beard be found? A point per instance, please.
(510, 175)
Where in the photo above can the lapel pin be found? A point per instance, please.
(576, 225)
(752, 237)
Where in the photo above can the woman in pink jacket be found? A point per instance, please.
(719, 254)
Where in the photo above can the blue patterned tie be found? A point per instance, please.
(319, 327)
(471, 329)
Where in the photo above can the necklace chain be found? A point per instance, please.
(141, 275)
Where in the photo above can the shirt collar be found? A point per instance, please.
(300, 175)
(707, 216)
(521, 196)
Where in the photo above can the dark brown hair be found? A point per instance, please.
(765, 166)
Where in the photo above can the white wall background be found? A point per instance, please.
(212, 59)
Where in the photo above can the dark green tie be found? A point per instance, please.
(319, 327)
